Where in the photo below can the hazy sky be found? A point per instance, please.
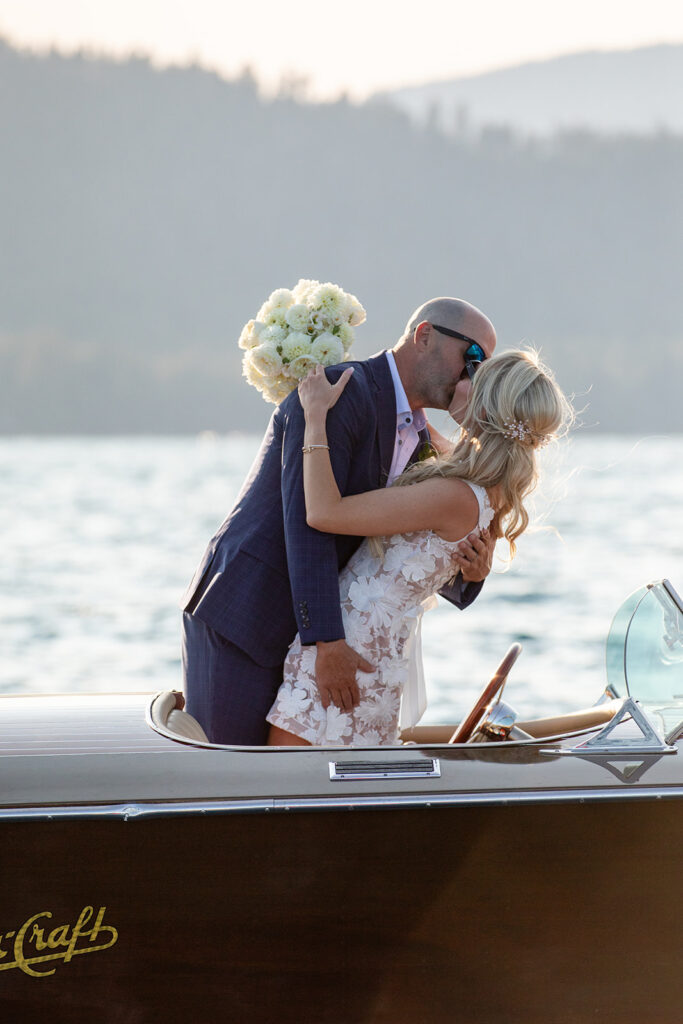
(358, 45)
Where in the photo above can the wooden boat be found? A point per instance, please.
(531, 874)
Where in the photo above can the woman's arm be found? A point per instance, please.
(447, 506)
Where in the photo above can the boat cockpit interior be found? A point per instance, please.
(640, 710)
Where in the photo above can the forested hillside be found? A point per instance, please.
(145, 214)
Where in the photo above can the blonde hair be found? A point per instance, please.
(515, 407)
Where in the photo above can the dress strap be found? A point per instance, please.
(486, 510)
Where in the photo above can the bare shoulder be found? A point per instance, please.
(459, 507)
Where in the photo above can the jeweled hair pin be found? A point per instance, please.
(517, 430)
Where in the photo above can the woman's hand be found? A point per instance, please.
(317, 395)
(474, 556)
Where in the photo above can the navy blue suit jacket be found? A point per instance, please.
(266, 574)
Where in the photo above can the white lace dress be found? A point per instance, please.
(382, 602)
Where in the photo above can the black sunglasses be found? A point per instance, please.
(474, 355)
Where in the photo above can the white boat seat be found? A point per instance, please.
(168, 717)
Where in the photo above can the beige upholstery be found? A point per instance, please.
(168, 718)
(538, 728)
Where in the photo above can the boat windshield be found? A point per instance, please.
(645, 646)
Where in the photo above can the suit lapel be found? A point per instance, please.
(386, 413)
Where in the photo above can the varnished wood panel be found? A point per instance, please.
(530, 914)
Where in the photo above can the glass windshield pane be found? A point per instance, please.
(653, 648)
(616, 642)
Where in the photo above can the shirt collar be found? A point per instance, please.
(403, 409)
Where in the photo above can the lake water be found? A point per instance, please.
(100, 537)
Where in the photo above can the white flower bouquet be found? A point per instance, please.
(293, 331)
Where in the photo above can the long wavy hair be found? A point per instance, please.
(515, 407)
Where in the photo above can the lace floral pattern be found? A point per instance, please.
(382, 601)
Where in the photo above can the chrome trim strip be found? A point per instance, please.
(131, 812)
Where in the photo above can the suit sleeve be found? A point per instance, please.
(461, 594)
(312, 555)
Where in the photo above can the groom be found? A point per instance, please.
(266, 575)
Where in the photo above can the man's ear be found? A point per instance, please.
(422, 334)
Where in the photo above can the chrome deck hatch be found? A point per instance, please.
(348, 771)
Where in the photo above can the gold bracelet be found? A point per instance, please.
(307, 448)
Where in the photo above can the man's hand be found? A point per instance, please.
(474, 556)
(335, 674)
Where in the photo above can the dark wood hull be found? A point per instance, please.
(546, 912)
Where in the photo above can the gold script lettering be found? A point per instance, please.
(37, 937)
(58, 937)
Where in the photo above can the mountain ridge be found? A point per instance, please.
(636, 90)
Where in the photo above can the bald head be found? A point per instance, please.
(431, 364)
(459, 316)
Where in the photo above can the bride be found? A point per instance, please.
(412, 530)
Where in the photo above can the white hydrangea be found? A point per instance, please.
(319, 321)
(304, 289)
(281, 299)
(327, 349)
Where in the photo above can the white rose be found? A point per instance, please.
(265, 360)
(295, 330)
(252, 375)
(272, 334)
(345, 310)
(358, 314)
(287, 373)
(330, 300)
(346, 335)
(294, 345)
(297, 316)
(300, 366)
(327, 349)
(274, 317)
(249, 338)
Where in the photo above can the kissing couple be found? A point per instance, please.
(301, 624)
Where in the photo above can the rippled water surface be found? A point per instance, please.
(100, 537)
